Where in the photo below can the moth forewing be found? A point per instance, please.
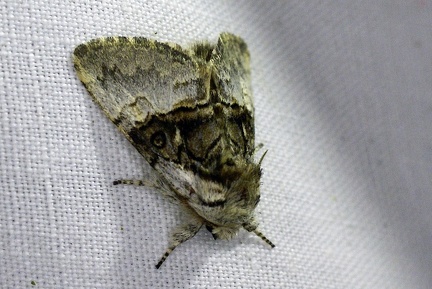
(189, 113)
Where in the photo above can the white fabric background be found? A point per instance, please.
(343, 97)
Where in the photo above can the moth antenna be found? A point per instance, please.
(262, 158)
(264, 238)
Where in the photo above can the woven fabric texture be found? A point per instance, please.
(343, 100)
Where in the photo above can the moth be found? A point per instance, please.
(189, 113)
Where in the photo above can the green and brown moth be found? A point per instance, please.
(189, 113)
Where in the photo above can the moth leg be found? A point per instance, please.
(253, 228)
(155, 184)
(131, 182)
(181, 234)
(264, 238)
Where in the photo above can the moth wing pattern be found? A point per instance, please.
(132, 78)
(232, 71)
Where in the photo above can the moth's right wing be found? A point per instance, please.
(133, 78)
(232, 82)
(231, 62)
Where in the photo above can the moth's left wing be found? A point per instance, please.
(132, 78)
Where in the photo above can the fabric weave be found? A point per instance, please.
(343, 104)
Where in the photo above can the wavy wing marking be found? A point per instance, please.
(132, 78)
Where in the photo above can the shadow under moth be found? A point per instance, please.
(189, 113)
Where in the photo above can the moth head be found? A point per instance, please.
(227, 207)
